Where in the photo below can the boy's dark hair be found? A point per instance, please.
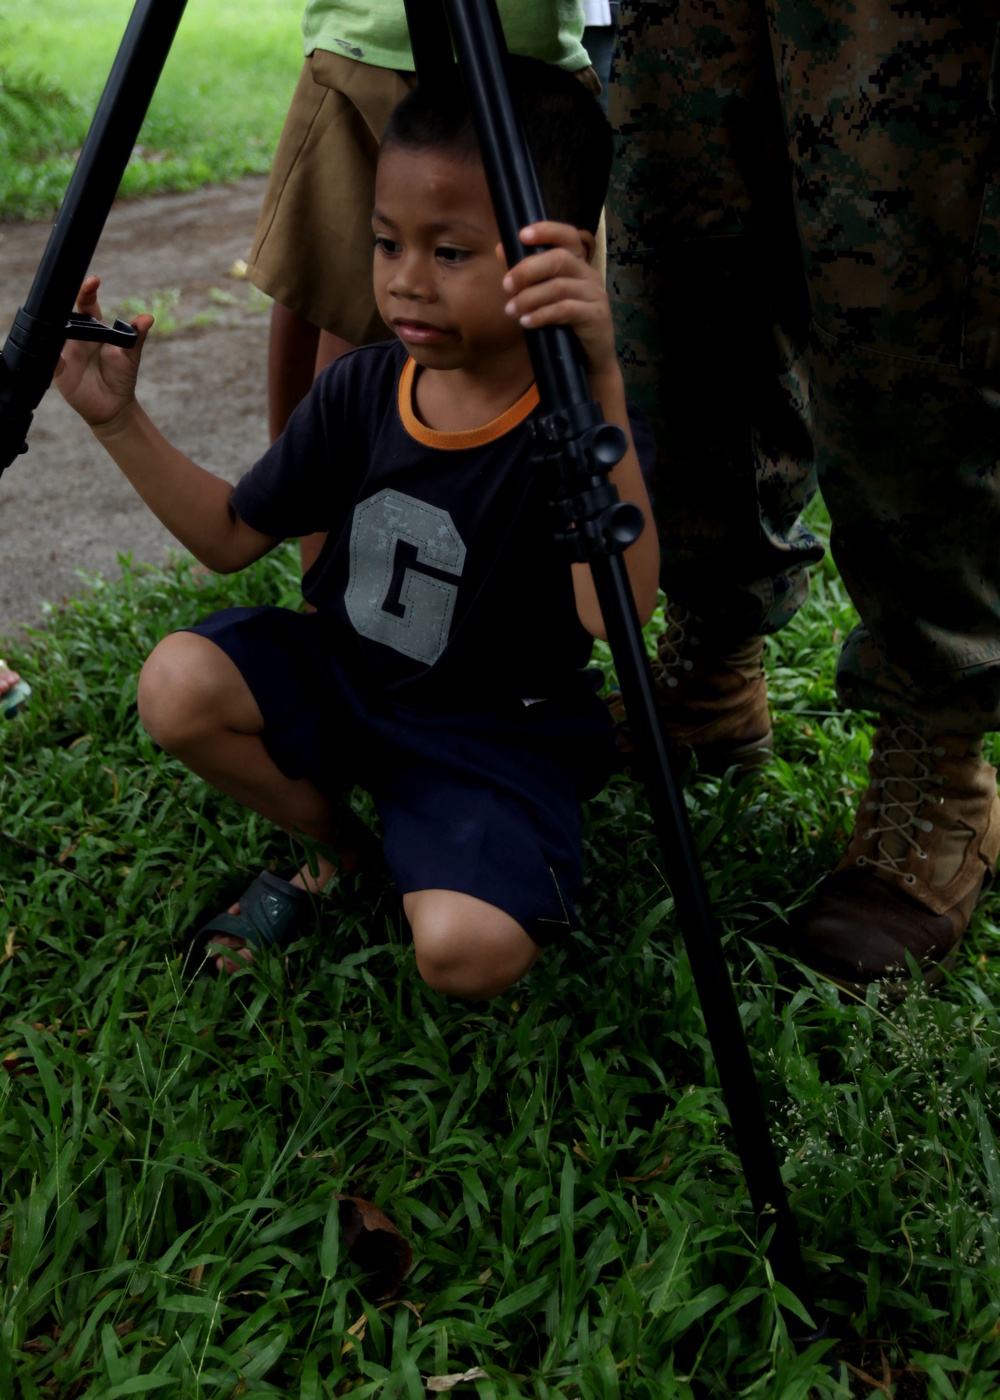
(568, 134)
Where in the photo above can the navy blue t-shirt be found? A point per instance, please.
(439, 575)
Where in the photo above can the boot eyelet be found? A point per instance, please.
(861, 860)
(867, 835)
(672, 682)
(910, 879)
(927, 826)
(921, 855)
(688, 665)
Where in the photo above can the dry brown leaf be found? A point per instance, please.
(415, 1308)
(868, 1380)
(374, 1243)
(649, 1176)
(437, 1384)
(8, 946)
(14, 1065)
(357, 1329)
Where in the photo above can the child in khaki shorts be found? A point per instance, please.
(312, 249)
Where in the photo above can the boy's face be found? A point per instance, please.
(438, 282)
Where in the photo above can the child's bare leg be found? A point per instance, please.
(328, 348)
(195, 704)
(466, 947)
(297, 351)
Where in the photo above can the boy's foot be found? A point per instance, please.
(273, 911)
(268, 914)
(13, 692)
(711, 697)
(923, 852)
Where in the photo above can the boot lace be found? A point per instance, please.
(906, 789)
(674, 640)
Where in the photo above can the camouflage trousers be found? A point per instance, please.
(805, 267)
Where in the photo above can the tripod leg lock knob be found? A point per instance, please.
(602, 535)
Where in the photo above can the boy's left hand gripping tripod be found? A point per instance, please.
(572, 443)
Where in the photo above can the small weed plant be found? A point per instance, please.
(559, 1159)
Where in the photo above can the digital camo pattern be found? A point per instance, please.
(804, 260)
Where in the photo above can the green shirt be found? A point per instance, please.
(374, 31)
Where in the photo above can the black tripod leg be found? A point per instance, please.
(701, 939)
(474, 29)
(31, 351)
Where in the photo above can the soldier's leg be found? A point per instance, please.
(892, 138)
(711, 317)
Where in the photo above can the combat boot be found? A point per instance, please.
(711, 696)
(923, 852)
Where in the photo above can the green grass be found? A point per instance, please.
(216, 114)
(559, 1159)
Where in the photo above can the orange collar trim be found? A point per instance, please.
(472, 437)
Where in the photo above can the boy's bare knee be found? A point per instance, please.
(466, 947)
(181, 687)
(168, 703)
(442, 958)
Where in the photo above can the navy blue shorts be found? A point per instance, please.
(486, 803)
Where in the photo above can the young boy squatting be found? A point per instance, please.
(443, 666)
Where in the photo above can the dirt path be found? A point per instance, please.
(63, 506)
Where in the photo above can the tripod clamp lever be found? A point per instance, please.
(80, 327)
(580, 449)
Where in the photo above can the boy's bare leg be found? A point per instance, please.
(195, 704)
(310, 548)
(328, 347)
(296, 352)
(291, 364)
(466, 947)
